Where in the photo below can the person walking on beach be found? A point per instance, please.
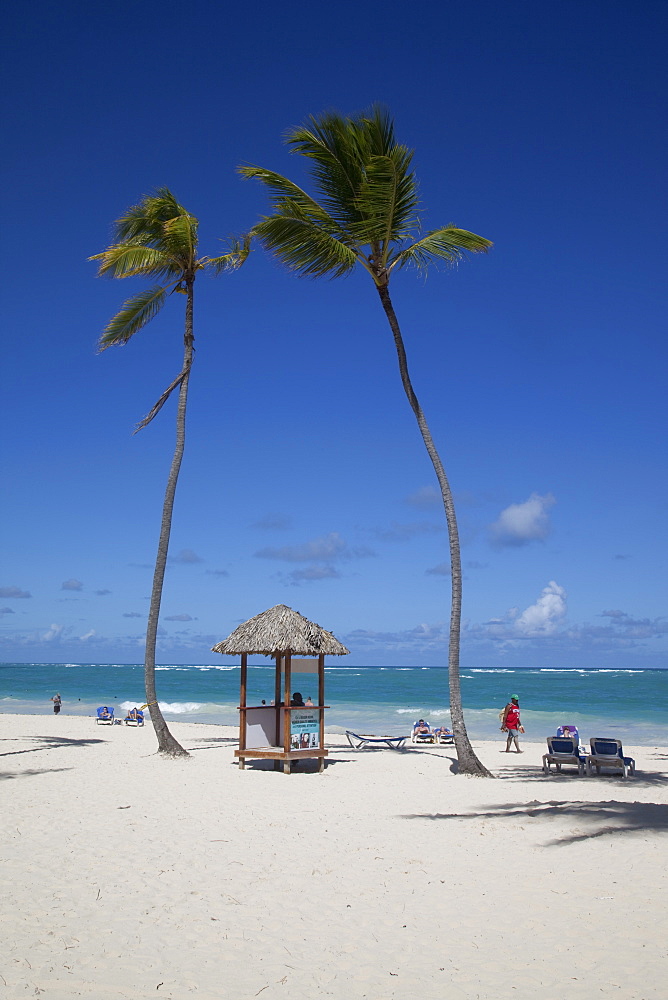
(511, 723)
(57, 701)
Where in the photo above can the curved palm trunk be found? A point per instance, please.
(468, 762)
(166, 742)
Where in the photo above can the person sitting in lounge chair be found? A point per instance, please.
(105, 716)
(422, 733)
(444, 735)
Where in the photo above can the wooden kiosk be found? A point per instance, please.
(282, 732)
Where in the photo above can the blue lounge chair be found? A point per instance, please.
(135, 717)
(569, 731)
(609, 753)
(563, 750)
(359, 742)
(444, 735)
(425, 737)
(105, 716)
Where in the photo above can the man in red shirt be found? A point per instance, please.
(511, 723)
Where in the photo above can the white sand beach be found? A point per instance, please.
(126, 875)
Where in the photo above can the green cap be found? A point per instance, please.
(514, 697)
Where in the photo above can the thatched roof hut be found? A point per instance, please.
(281, 630)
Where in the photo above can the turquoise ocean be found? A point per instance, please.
(631, 705)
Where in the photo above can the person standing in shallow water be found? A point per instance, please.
(57, 701)
(511, 723)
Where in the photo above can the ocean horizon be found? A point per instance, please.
(630, 704)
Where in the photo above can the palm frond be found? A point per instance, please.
(125, 260)
(233, 259)
(155, 409)
(135, 313)
(147, 218)
(305, 247)
(387, 200)
(379, 129)
(180, 237)
(448, 243)
(283, 191)
(336, 148)
(342, 151)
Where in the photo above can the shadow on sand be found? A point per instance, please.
(598, 818)
(39, 743)
(31, 772)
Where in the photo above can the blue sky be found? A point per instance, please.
(540, 367)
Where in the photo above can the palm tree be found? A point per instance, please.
(157, 238)
(367, 214)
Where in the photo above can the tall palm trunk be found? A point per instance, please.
(468, 762)
(166, 742)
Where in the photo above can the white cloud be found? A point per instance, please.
(426, 498)
(314, 573)
(53, 633)
(15, 592)
(184, 617)
(88, 635)
(443, 569)
(328, 547)
(72, 584)
(405, 532)
(186, 557)
(523, 523)
(543, 617)
(273, 522)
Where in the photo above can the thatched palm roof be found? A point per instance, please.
(279, 630)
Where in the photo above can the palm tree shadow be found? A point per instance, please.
(31, 772)
(601, 818)
(518, 772)
(215, 743)
(47, 743)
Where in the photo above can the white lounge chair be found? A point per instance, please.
(422, 737)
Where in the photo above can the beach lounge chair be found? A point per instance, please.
(569, 731)
(563, 750)
(135, 717)
(359, 742)
(609, 753)
(426, 736)
(444, 735)
(105, 716)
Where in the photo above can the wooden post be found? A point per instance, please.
(287, 711)
(242, 709)
(321, 703)
(277, 697)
